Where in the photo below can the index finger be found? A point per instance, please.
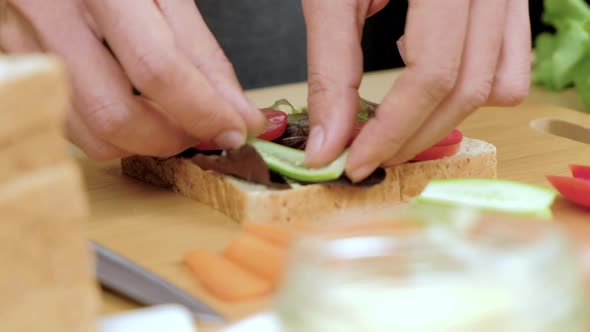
(145, 46)
(434, 41)
(334, 74)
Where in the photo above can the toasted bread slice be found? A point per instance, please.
(244, 201)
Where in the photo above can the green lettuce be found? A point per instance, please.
(562, 59)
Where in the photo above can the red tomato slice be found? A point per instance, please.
(454, 137)
(580, 171)
(276, 124)
(205, 147)
(438, 152)
(446, 147)
(574, 189)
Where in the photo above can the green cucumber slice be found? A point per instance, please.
(491, 195)
(291, 162)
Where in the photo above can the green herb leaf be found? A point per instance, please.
(561, 57)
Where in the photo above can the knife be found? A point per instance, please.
(562, 128)
(123, 276)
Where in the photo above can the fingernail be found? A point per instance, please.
(236, 97)
(261, 118)
(360, 173)
(315, 141)
(251, 112)
(229, 139)
(401, 47)
(251, 104)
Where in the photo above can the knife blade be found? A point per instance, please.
(127, 278)
(562, 128)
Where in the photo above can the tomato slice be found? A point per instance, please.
(446, 147)
(205, 147)
(580, 171)
(438, 152)
(575, 189)
(454, 137)
(276, 124)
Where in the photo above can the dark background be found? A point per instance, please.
(388, 26)
(266, 42)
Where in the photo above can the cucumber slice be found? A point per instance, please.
(490, 195)
(291, 162)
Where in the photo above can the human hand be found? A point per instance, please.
(163, 48)
(459, 55)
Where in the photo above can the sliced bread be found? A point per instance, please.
(244, 201)
(34, 94)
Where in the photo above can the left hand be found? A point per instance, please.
(189, 90)
(459, 54)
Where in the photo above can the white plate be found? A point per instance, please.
(163, 318)
(263, 322)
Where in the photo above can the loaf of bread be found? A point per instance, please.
(47, 281)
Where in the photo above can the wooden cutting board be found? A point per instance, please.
(153, 226)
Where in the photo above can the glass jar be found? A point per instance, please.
(414, 275)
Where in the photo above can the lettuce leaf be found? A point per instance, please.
(563, 58)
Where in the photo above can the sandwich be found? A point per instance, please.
(266, 180)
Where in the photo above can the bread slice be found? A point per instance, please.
(32, 152)
(53, 309)
(43, 232)
(244, 201)
(34, 94)
(48, 281)
(475, 159)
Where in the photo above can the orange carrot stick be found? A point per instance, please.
(257, 256)
(224, 279)
(276, 235)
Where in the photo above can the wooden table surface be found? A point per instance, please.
(154, 227)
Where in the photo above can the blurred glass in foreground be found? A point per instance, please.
(437, 269)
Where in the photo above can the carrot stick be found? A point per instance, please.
(276, 235)
(224, 279)
(257, 256)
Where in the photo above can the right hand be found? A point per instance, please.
(190, 92)
(460, 55)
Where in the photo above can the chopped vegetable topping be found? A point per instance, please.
(291, 162)
(580, 171)
(223, 278)
(276, 124)
(446, 147)
(575, 188)
(490, 195)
